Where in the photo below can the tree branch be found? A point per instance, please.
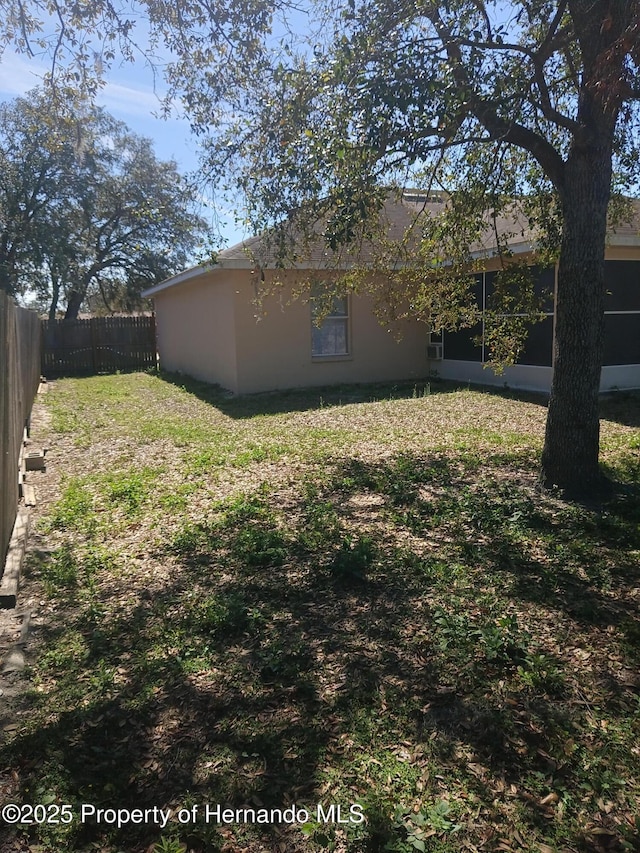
(486, 112)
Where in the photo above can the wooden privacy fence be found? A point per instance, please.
(19, 380)
(98, 345)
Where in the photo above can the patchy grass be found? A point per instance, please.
(351, 597)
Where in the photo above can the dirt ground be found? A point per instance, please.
(19, 626)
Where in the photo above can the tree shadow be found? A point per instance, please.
(319, 397)
(268, 671)
(622, 407)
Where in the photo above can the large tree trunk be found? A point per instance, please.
(74, 303)
(570, 455)
(55, 296)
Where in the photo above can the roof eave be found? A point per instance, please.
(235, 264)
(248, 263)
(192, 272)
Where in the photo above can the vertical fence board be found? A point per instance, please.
(19, 378)
(98, 345)
(8, 489)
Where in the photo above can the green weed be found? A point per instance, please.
(169, 845)
(257, 453)
(219, 616)
(354, 558)
(420, 826)
(74, 510)
(258, 546)
(195, 538)
(130, 489)
(71, 566)
(542, 674)
(499, 640)
(204, 461)
(61, 570)
(320, 526)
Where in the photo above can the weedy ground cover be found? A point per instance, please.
(341, 596)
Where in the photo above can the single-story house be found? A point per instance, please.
(209, 326)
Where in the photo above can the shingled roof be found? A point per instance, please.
(398, 216)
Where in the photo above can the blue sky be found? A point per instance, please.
(130, 97)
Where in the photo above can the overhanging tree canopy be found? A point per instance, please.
(87, 211)
(484, 99)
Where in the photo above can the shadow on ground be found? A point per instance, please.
(403, 634)
(305, 399)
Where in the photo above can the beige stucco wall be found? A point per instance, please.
(195, 323)
(210, 327)
(275, 351)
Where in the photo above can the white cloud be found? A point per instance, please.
(130, 100)
(19, 74)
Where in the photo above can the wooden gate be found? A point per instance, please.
(98, 345)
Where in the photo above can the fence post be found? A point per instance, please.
(94, 349)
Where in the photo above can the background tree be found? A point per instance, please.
(88, 213)
(534, 99)
(36, 164)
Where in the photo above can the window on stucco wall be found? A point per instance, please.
(331, 337)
